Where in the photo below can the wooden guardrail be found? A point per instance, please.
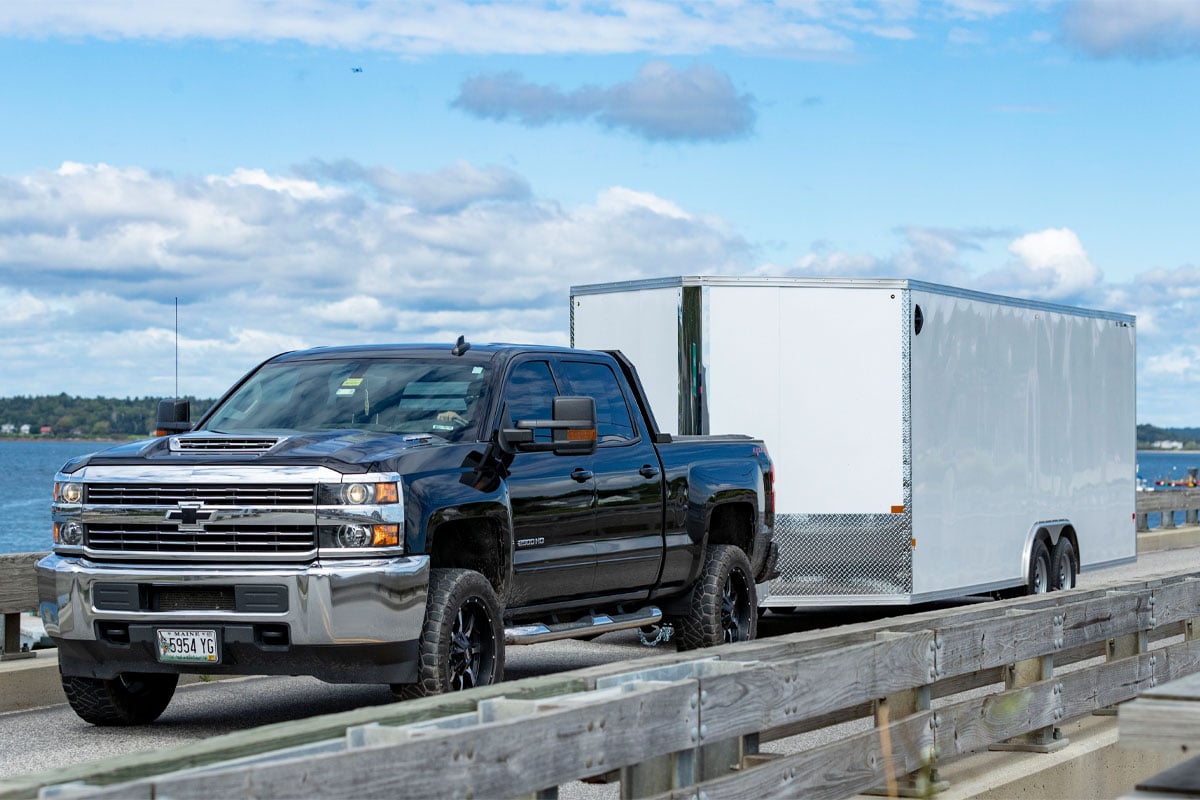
(18, 592)
(1167, 502)
(923, 689)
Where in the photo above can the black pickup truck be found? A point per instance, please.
(397, 514)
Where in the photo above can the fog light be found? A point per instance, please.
(353, 536)
(70, 533)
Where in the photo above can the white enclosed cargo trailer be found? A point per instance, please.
(929, 442)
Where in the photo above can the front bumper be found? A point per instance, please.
(347, 621)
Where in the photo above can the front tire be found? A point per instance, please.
(131, 698)
(724, 603)
(1064, 565)
(462, 640)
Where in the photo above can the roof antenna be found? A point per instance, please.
(460, 347)
(176, 348)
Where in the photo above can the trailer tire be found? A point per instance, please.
(131, 698)
(1038, 581)
(1064, 565)
(462, 640)
(723, 606)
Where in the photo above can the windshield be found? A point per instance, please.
(393, 395)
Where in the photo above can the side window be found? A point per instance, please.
(613, 421)
(529, 394)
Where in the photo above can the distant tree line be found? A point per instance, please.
(69, 417)
(1150, 437)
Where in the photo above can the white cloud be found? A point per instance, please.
(450, 26)
(1177, 362)
(659, 103)
(92, 258)
(1050, 265)
(1141, 29)
(295, 187)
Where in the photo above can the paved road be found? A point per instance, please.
(43, 739)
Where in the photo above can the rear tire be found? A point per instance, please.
(1064, 565)
(131, 698)
(1038, 581)
(724, 603)
(462, 640)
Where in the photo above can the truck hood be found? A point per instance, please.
(344, 450)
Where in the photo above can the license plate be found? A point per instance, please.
(188, 646)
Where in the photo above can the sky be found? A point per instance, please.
(306, 173)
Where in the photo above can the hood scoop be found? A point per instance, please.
(217, 443)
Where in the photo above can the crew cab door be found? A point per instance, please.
(628, 523)
(552, 496)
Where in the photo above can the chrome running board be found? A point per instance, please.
(592, 624)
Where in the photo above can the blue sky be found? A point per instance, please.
(322, 172)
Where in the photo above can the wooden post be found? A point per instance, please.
(1043, 740)
(18, 592)
(925, 781)
(1127, 646)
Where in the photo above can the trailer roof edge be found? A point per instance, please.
(847, 283)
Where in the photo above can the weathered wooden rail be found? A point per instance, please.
(926, 688)
(18, 592)
(1167, 503)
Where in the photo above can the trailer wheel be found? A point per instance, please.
(131, 698)
(462, 641)
(1064, 565)
(1039, 569)
(724, 605)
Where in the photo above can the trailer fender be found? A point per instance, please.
(1050, 531)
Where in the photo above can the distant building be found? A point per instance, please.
(8, 429)
(1166, 444)
(46, 430)
(25, 429)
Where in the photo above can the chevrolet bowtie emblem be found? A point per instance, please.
(189, 515)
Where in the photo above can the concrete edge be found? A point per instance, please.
(30, 683)
(1094, 764)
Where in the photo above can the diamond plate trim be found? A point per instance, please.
(843, 554)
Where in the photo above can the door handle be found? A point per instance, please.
(582, 475)
(648, 471)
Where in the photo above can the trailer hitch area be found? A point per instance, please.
(654, 635)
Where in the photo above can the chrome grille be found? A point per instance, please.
(224, 444)
(166, 538)
(172, 494)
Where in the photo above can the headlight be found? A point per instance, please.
(358, 494)
(68, 492)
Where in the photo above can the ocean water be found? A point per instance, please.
(26, 482)
(27, 476)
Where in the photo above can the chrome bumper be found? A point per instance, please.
(359, 602)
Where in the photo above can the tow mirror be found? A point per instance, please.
(572, 429)
(174, 416)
